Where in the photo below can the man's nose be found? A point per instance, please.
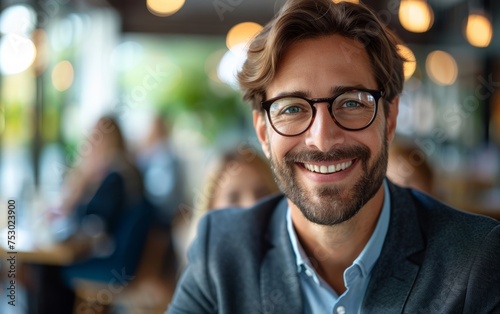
(324, 133)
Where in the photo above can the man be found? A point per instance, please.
(324, 80)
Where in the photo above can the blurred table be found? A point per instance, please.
(60, 253)
(36, 261)
(37, 239)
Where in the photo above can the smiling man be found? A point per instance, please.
(324, 81)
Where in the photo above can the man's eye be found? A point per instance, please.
(289, 106)
(292, 110)
(351, 104)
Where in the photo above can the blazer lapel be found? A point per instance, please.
(280, 288)
(399, 262)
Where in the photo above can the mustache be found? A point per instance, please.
(359, 151)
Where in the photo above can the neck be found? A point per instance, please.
(332, 249)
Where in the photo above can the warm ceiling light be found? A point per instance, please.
(415, 15)
(62, 75)
(164, 7)
(241, 34)
(352, 1)
(410, 64)
(441, 67)
(478, 30)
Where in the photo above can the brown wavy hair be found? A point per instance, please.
(305, 19)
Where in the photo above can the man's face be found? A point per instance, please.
(303, 164)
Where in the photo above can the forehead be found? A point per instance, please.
(317, 65)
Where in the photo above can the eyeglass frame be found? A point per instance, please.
(376, 94)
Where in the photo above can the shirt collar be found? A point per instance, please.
(367, 258)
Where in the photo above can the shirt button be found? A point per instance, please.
(308, 273)
(341, 310)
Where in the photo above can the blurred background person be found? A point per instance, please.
(103, 200)
(164, 187)
(105, 179)
(238, 177)
(162, 169)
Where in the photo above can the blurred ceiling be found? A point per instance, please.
(203, 17)
(216, 17)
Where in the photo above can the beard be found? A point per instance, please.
(331, 205)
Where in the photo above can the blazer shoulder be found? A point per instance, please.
(227, 252)
(452, 232)
(442, 215)
(432, 254)
(431, 223)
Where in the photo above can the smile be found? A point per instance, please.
(328, 168)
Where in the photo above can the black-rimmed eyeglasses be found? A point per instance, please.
(351, 110)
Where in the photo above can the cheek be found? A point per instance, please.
(280, 145)
(376, 133)
(373, 137)
(274, 145)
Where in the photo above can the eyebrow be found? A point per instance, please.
(333, 91)
(340, 89)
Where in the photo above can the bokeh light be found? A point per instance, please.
(17, 53)
(352, 1)
(416, 15)
(18, 19)
(42, 56)
(164, 7)
(478, 30)
(411, 63)
(230, 64)
(62, 75)
(441, 67)
(242, 33)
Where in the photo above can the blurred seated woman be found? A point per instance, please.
(105, 180)
(103, 200)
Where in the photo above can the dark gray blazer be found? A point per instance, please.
(434, 260)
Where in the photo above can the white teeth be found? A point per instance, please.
(329, 168)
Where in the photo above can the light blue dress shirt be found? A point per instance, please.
(319, 297)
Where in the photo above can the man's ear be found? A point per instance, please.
(392, 119)
(259, 123)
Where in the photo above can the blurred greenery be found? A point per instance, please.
(187, 82)
(17, 128)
